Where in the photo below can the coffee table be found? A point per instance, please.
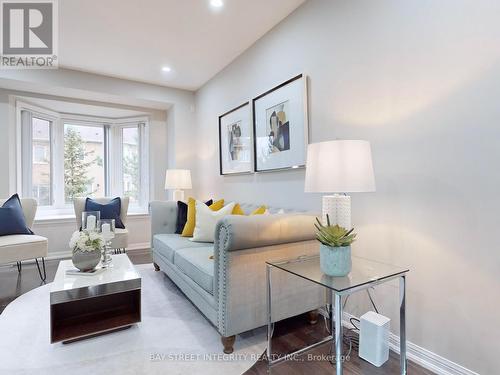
(86, 306)
(365, 274)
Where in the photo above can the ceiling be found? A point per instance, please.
(135, 39)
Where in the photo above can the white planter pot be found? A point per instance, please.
(335, 261)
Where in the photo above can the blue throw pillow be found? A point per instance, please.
(109, 210)
(12, 219)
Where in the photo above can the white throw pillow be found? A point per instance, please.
(206, 219)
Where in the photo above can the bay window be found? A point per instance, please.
(64, 157)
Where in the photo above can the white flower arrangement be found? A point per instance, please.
(86, 241)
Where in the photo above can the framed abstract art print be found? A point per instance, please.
(280, 126)
(235, 141)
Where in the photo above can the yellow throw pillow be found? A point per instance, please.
(259, 211)
(216, 206)
(191, 215)
(237, 210)
(191, 219)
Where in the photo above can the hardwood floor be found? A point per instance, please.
(289, 335)
(296, 333)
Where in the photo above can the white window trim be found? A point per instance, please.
(59, 208)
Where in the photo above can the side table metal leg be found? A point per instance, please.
(402, 324)
(269, 320)
(329, 311)
(338, 334)
(331, 326)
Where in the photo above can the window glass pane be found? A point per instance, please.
(41, 176)
(83, 161)
(131, 164)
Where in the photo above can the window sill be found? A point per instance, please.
(70, 218)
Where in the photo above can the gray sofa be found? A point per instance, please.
(226, 280)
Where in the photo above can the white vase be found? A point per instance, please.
(335, 261)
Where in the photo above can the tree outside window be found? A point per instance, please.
(83, 161)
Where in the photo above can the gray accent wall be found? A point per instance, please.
(419, 79)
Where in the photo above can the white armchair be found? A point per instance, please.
(120, 242)
(19, 247)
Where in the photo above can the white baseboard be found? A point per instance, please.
(59, 255)
(419, 355)
(67, 253)
(139, 246)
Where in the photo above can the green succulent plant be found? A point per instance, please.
(334, 235)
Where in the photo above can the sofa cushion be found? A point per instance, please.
(168, 244)
(182, 212)
(197, 265)
(191, 215)
(206, 219)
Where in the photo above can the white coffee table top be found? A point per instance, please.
(122, 270)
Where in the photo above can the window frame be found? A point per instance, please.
(113, 161)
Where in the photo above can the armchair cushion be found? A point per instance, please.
(121, 239)
(21, 247)
(12, 220)
(110, 210)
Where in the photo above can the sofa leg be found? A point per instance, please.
(157, 267)
(228, 343)
(312, 317)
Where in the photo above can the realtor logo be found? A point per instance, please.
(29, 39)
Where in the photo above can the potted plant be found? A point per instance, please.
(335, 248)
(86, 247)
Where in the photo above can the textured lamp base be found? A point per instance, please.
(338, 208)
(178, 195)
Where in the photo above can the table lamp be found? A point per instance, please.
(178, 179)
(340, 167)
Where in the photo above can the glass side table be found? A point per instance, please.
(365, 274)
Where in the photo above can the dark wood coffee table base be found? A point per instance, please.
(88, 317)
(97, 334)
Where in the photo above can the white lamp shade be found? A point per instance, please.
(339, 166)
(178, 179)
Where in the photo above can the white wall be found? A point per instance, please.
(80, 85)
(420, 79)
(170, 112)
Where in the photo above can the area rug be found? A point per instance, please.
(173, 338)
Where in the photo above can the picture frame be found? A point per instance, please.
(236, 141)
(280, 126)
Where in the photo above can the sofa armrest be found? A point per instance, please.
(244, 232)
(163, 217)
(243, 245)
(241, 288)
